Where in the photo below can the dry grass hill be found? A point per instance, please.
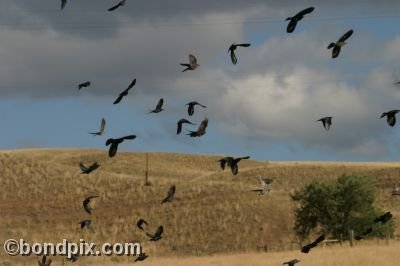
(41, 194)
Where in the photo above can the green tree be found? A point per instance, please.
(338, 207)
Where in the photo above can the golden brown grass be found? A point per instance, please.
(41, 194)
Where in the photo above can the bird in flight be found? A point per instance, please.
(142, 256)
(120, 3)
(63, 3)
(115, 142)
(170, 196)
(191, 107)
(101, 131)
(232, 49)
(125, 92)
(326, 122)
(364, 234)
(264, 182)
(85, 223)
(45, 261)
(86, 202)
(180, 122)
(158, 107)
(84, 85)
(140, 223)
(292, 262)
(384, 218)
(308, 247)
(88, 170)
(201, 130)
(339, 44)
(192, 63)
(296, 18)
(232, 163)
(158, 235)
(390, 117)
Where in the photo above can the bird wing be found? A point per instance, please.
(244, 44)
(160, 104)
(63, 3)
(304, 12)
(83, 167)
(118, 99)
(233, 57)
(133, 83)
(113, 149)
(179, 128)
(291, 26)
(102, 125)
(383, 115)
(115, 7)
(222, 163)
(129, 137)
(346, 36)
(203, 125)
(391, 120)
(336, 51)
(190, 109)
(319, 239)
(159, 231)
(192, 60)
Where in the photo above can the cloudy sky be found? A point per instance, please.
(265, 106)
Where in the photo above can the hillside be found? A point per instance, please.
(214, 212)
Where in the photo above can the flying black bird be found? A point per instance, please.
(326, 122)
(170, 196)
(125, 92)
(45, 261)
(101, 131)
(340, 43)
(115, 142)
(88, 170)
(292, 262)
(86, 204)
(307, 248)
(364, 234)
(180, 122)
(142, 256)
(201, 130)
(232, 49)
(191, 107)
(390, 117)
(232, 163)
(192, 63)
(84, 85)
(158, 235)
(158, 107)
(383, 218)
(140, 223)
(120, 3)
(85, 223)
(74, 257)
(63, 3)
(299, 16)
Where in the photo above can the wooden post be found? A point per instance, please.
(387, 238)
(351, 237)
(146, 182)
(341, 240)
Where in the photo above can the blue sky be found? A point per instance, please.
(265, 106)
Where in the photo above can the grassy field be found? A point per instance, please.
(41, 194)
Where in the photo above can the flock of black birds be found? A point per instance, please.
(231, 162)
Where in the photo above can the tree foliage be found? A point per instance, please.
(336, 208)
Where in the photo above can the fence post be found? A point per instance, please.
(351, 237)
(146, 182)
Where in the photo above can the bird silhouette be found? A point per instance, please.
(390, 117)
(63, 3)
(326, 122)
(88, 170)
(232, 49)
(383, 218)
(86, 202)
(296, 18)
(158, 235)
(232, 163)
(339, 44)
(308, 247)
(125, 92)
(45, 261)
(85, 223)
(140, 223)
(179, 125)
(142, 256)
(201, 130)
(158, 107)
(191, 107)
(102, 127)
(192, 63)
(170, 196)
(119, 4)
(292, 262)
(84, 85)
(115, 142)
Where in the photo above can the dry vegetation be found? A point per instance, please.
(41, 194)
